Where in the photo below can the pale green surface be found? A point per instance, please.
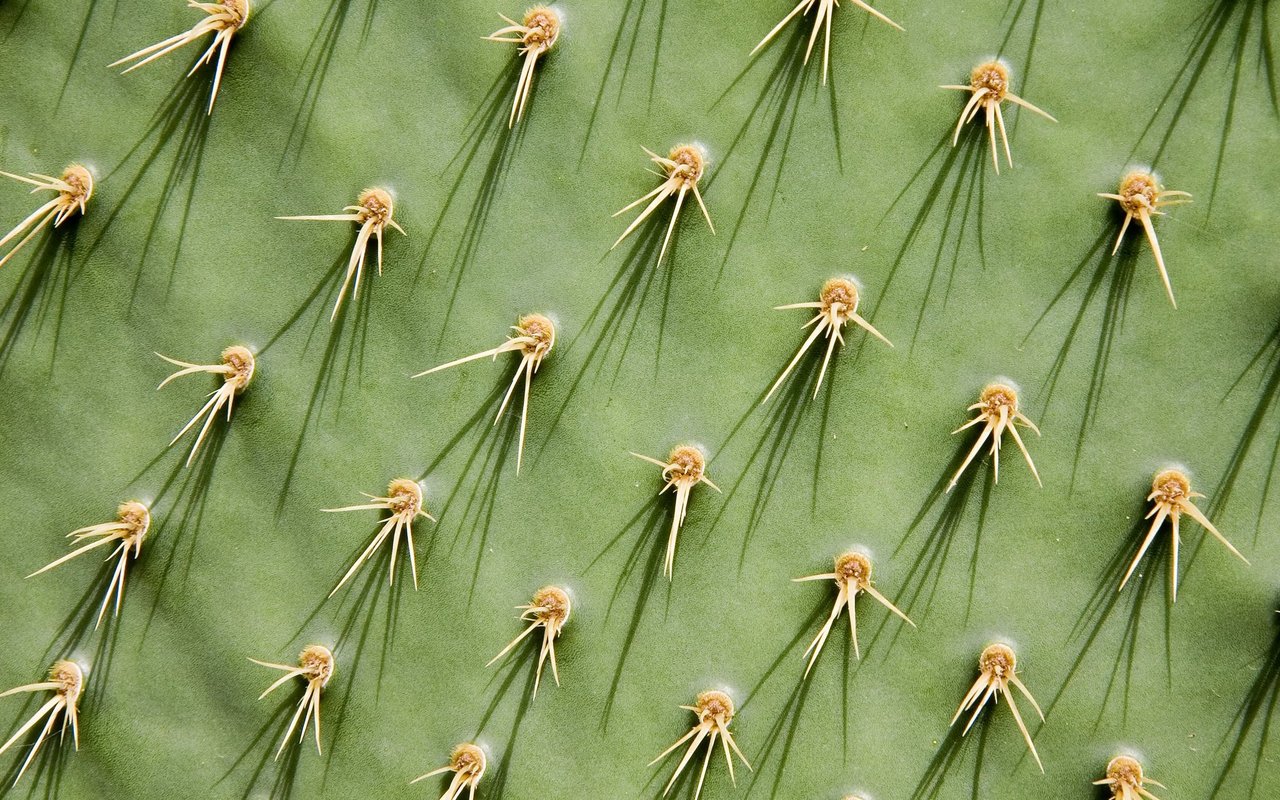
(79, 423)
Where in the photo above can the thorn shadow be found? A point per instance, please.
(336, 362)
(180, 520)
(91, 6)
(780, 99)
(627, 25)
(1100, 270)
(183, 122)
(357, 608)
(619, 312)
(506, 677)
(40, 295)
(1258, 708)
(1102, 607)
(44, 776)
(925, 574)
(1243, 25)
(944, 762)
(653, 518)
(315, 67)
(783, 420)
(787, 724)
(1268, 355)
(481, 470)
(79, 628)
(278, 783)
(17, 17)
(486, 126)
(958, 190)
(1014, 14)
(359, 605)
(804, 632)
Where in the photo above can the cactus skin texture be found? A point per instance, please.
(179, 253)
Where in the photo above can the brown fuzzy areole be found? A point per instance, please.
(1125, 769)
(373, 213)
(467, 762)
(552, 604)
(841, 296)
(238, 11)
(852, 577)
(684, 469)
(467, 757)
(714, 706)
(1138, 191)
(685, 464)
(317, 663)
(242, 364)
(1171, 497)
(66, 681)
(127, 533)
(998, 395)
(74, 188)
(998, 414)
(992, 76)
(853, 568)
(836, 307)
(70, 677)
(316, 667)
(998, 660)
(998, 676)
(236, 370)
(405, 497)
(542, 333)
(543, 26)
(682, 169)
(80, 181)
(988, 89)
(377, 205)
(1170, 486)
(404, 500)
(549, 610)
(135, 518)
(1126, 781)
(690, 163)
(223, 19)
(533, 338)
(1141, 198)
(534, 37)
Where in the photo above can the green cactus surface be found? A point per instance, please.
(973, 276)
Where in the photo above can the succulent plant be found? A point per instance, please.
(173, 246)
